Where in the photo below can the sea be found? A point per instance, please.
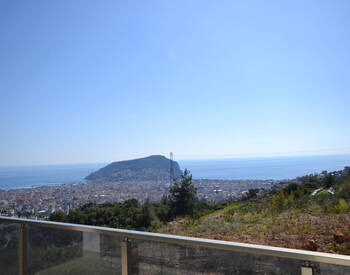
(263, 168)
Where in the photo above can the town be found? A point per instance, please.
(40, 202)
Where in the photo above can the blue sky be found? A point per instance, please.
(98, 81)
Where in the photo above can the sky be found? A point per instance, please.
(97, 81)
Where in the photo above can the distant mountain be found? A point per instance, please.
(156, 168)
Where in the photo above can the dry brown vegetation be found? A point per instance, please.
(291, 229)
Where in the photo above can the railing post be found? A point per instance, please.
(306, 268)
(22, 250)
(126, 256)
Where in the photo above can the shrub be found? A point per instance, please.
(277, 202)
(342, 207)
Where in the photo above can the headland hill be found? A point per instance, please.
(152, 168)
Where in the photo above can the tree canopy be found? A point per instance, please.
(183, 195)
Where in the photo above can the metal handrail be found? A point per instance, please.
(297, 254)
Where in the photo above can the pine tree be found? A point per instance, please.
(183, 195)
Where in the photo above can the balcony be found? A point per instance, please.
(41, 247)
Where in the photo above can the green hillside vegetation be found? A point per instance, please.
(288, 216)
(150, 168)
(312, 212)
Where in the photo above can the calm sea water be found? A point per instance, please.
(276, 168)
(239, 168)
(29, 176)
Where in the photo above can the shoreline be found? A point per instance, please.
(194, 179)
(43, 185)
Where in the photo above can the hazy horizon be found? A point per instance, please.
(218, 158)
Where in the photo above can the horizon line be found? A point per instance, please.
(190, 157)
